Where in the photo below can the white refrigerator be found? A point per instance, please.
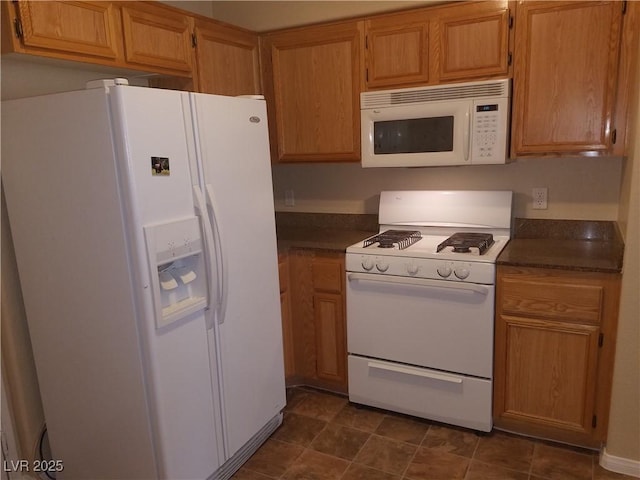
(144, 233)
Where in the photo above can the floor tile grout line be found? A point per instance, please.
(353, 460)
(418, 447)
(533, 456)
(350, 462)
(332, 420)
(403, 475)
(372, 434)
(473, 454)
(404, 472)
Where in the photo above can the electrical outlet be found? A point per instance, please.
(289, 198)
(539, 195)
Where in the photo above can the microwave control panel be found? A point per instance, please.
(489, 127)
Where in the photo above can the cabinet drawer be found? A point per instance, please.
(327, 276)
(552, 299)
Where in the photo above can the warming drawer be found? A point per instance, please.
(421, 392)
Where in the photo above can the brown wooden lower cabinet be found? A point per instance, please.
(313, 318)
(554, 350)
(285, 307)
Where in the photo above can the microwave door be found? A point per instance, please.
(416, 135)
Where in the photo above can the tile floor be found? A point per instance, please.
(324, 437)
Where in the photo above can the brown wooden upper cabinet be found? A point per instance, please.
(472, 41)
(453, 43)
(158, 38)
(144, 36)
(397, 50)
(565, 76)
(312, 81)
(86, 31)
(228, 62)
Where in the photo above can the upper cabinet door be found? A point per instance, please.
(227, 59)
(312, 82)
(565, 76)
(397, 50)
(472, 41)
(157, 37)
(427, 46)
(78, 28)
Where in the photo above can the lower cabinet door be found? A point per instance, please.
(559, 358)
(330, 337)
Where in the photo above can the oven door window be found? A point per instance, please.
(415, 135)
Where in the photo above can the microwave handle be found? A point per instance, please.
(467, 128)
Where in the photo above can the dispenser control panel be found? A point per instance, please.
(176, 261)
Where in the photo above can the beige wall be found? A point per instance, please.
(26, 77)
(579, 188)
(624, 427)
(198, 6)
(262, 16)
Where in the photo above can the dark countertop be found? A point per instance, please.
(323, 231)
(319, 238)
(594, 246)
(579, 245)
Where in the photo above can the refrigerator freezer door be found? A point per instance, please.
(61, 187)
(235, 154)
(153, 134)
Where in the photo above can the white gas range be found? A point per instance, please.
(420, 305)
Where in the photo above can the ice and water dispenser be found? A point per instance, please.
(178, 277)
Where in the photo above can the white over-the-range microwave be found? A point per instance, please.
(454, 124)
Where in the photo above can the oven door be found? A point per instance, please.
(443, 325)
(421, 347)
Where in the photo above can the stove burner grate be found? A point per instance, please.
(463, 242)
(390, 238)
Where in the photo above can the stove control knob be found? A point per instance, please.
(382, 266)
(412, 269)
(444, 271)
(367, 264)
(461, 272)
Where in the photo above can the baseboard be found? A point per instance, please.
(619, 464)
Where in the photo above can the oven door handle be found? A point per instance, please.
(419, 282)
(414, 371)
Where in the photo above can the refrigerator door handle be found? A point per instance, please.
(221, 264)
(209, 251)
